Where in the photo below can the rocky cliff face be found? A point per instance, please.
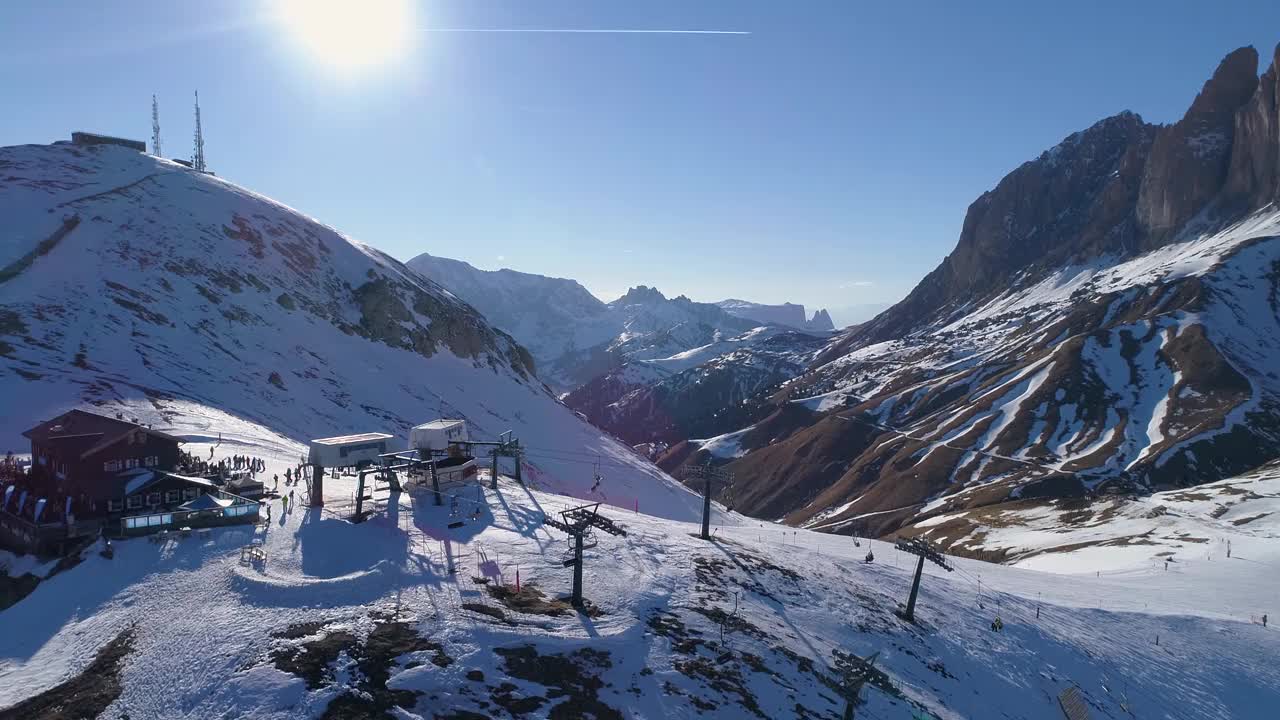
(787, 314)
(1188, 162)
(1253, 177)
(1121, 187)
(1074, 199)
(1107, 319)
(821, 320)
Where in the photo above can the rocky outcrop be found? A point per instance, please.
(1075, 199)
(1189, 160)
(1253, 177)
(821, 320)
(1118, 188)
(787, 314)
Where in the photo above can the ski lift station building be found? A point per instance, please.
(349, 450)
(437, 434)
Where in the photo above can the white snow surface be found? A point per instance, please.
(204, 622)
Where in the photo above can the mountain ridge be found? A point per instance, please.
(1100, 324)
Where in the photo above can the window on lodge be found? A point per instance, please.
(111, 466)
(171, 496)
(147, 521)
(153, 498)
(189, 493)
(115, 505)
(380, 446)
(135, 502)
(151, 461)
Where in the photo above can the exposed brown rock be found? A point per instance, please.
(1188, 163)
(1253, 179)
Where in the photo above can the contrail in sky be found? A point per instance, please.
(586, 31)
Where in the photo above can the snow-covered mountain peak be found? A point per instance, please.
(131, 281)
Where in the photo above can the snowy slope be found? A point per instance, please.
(133, 282)
(1155, 370)
(214, 637)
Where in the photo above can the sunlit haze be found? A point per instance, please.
(842, 140)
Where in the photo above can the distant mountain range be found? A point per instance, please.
(575, 338)
(788, 315)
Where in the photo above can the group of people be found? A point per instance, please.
(292, 476)
(245, 462)
(201, 467)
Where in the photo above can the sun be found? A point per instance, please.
(349, 35)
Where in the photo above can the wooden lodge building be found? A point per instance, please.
(93, 474)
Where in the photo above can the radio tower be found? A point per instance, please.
(155, 127)
(197, 159)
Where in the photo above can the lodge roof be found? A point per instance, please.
(84, 433)
(348, 439)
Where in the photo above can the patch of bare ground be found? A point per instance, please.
(312, 661)
(374, 658)
(1251, 518)
(369, 697)
(1190, 497)
(529, 599)
(573, 679)
(715, 574)
(86, 695)
(14, 589)
(488, 611)
(1124, 541)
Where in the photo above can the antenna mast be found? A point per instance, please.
(155, 126)
(197, 159)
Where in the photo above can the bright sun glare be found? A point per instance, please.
(349, 34)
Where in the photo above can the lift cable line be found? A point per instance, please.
(710, 476)
(924, 551)
(577, 523)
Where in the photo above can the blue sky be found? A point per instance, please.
(826, 158)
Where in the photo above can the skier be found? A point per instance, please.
(1264, 620)
(998, 624)
(871, 557)
(276, 482)
(284, 505)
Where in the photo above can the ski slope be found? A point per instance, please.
(207, 625)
